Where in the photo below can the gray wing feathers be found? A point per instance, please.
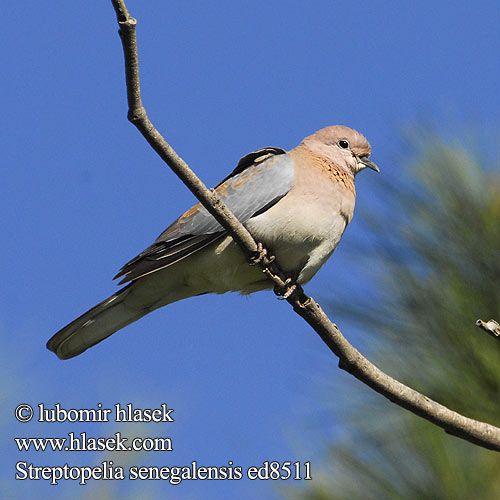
(253, 158)
(251, 189)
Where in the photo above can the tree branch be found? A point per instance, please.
(350, 359)
(208, 198)
(491, 327)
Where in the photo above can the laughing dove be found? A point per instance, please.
(296, 203)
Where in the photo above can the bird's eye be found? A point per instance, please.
(344, 144)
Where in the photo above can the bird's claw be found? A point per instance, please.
(286, 290)
(259, 256)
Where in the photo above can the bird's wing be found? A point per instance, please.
(259, 181)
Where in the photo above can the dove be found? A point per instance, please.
(296, 204)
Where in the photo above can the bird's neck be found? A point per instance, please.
(335, 172)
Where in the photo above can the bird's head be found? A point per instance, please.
(344, 146)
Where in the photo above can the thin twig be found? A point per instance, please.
(208, 198)
(491, 327)
(350, 359)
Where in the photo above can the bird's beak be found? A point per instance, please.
(367, 163)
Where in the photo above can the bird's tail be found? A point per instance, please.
(98, 323)
(129, 304)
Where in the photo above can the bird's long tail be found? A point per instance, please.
(95, 325)
(124, 307)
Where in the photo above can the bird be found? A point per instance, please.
(296, 204)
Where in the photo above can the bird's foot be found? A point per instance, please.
(286, 290)
(259, 256)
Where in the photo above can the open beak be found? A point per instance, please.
(367, 163)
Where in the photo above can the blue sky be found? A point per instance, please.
(82, 193)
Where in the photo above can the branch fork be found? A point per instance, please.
(491, 327)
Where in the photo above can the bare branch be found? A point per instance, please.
(350, 359)
(491, 327)
(208, 198)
